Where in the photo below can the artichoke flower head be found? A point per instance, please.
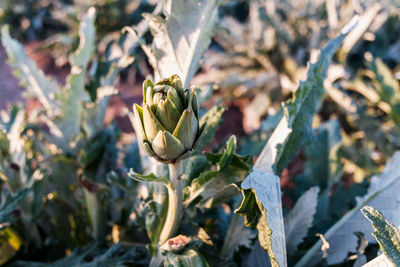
(167, 124)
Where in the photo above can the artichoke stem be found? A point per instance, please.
(174, 202)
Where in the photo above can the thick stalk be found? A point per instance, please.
(174, 212)
(174, 202)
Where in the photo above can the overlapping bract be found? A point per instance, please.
(167, 125)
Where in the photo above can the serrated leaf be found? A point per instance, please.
(10, 203)
(75, 94)
(36, 81)
(300, 219)
(181, 38)
(271, 234)
(299, 111)
(382, 195)
(282, 147)
(387, 235)
(236, 235)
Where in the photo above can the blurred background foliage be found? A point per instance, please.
(257, 56)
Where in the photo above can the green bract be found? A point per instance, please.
(167, 125)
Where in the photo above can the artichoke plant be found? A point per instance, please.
(167, 125)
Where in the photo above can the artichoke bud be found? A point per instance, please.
(167, 124)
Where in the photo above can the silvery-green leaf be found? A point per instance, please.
(166, 146)
(181, 38)
(93, 121)
(10, 203)
(297, 119)
(71, 103)
(300, 110)
(380, 261)
(167, 115)
(237, 235)
(186, 129)
(270, 226)
(300, 219)
(387, 235)
(382, 195)
(42, 86)
(151, 124)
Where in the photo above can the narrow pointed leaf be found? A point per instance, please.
(300, 219)
(300, 110)
(387, 235)
(71, 104)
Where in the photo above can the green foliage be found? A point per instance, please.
(191, 21)
(30, 75)
(210, 121)
(337, 129)
(387, 235)
(9, 204)
(92, 255)
(292, 133)
(215, 186)
(71, 100)
(300, 219)
(301, 109)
